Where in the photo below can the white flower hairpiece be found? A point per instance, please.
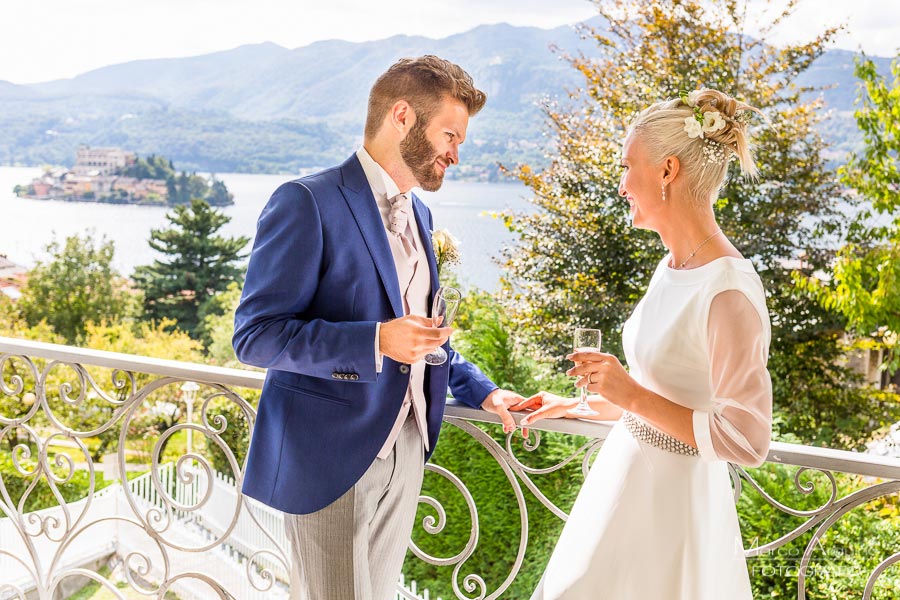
(715, 153)
(712, 121)
(701, 123)
(693, 127)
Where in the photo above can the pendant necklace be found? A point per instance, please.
(696, 250)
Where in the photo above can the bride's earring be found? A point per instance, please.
(663, 192)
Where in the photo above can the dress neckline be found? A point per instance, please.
(704, 271)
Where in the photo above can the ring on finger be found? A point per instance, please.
(590, 375)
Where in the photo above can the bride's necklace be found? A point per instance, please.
(696, 250)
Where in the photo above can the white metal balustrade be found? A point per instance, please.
(174, 527)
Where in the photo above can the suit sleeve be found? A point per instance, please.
(467, 382)
(272, 327)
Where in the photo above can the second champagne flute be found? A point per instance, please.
(443, 311)
(585, 339)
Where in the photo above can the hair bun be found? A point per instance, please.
(704, 129)
(735, 114)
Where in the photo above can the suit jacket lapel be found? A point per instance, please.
(428, 249)
(358, 194)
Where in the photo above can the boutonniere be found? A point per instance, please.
(446, 248)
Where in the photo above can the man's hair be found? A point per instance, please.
(424, 83)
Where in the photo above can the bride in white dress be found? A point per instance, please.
(655, 518)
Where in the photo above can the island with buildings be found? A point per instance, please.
(116, 176)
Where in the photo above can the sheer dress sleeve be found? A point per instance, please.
(738, 427)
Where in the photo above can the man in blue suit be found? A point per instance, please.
(336, 306)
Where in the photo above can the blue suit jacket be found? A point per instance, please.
(321, 275)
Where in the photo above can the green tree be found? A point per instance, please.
(77, 286)
(219, 327)
(161, 410)
(183, 188)
(12, 324)
(577, 261)
(218, 194)
(197, 263)
(10, 319)
(865, 278)
(152, 167)
(487, 337)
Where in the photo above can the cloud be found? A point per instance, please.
(64, 38)
(61, 38)
(872, 25)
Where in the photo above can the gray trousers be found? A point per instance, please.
(353, 549)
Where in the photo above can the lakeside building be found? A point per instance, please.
(101, 161)
(869, 363)
(12, 278)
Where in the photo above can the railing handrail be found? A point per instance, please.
(131, 362)
(779, 452)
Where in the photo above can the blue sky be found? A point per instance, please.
(41, 40)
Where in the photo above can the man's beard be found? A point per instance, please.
(419, 155)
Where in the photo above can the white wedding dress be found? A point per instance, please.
(650, 524)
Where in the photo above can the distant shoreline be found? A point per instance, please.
(509, 179)
(198, 171)
(98, 200)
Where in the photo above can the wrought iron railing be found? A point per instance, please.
(185, 528)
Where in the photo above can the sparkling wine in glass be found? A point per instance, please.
(443, 311)
(585, 340)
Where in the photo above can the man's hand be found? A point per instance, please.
(498, 402)
(546, 406)
(408, 339)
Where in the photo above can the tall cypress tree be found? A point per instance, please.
(196, 265)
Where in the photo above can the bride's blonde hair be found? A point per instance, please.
(704, 159)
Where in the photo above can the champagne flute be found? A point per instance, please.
(443, 311)
(585, 340)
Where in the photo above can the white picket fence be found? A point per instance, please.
(226, 563)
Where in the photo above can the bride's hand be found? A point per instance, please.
(603, 374)
(546, 406)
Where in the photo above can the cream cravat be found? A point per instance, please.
(399, 225)
(415, 283)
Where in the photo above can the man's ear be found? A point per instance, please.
(402, 116)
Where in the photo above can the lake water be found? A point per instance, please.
(27, 226)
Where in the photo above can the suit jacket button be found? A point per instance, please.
(354, 377)
(404, 369)
(344, 376)
(335, 376)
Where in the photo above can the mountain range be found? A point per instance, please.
(266, 108)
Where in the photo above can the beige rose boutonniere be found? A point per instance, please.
(446, 248)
